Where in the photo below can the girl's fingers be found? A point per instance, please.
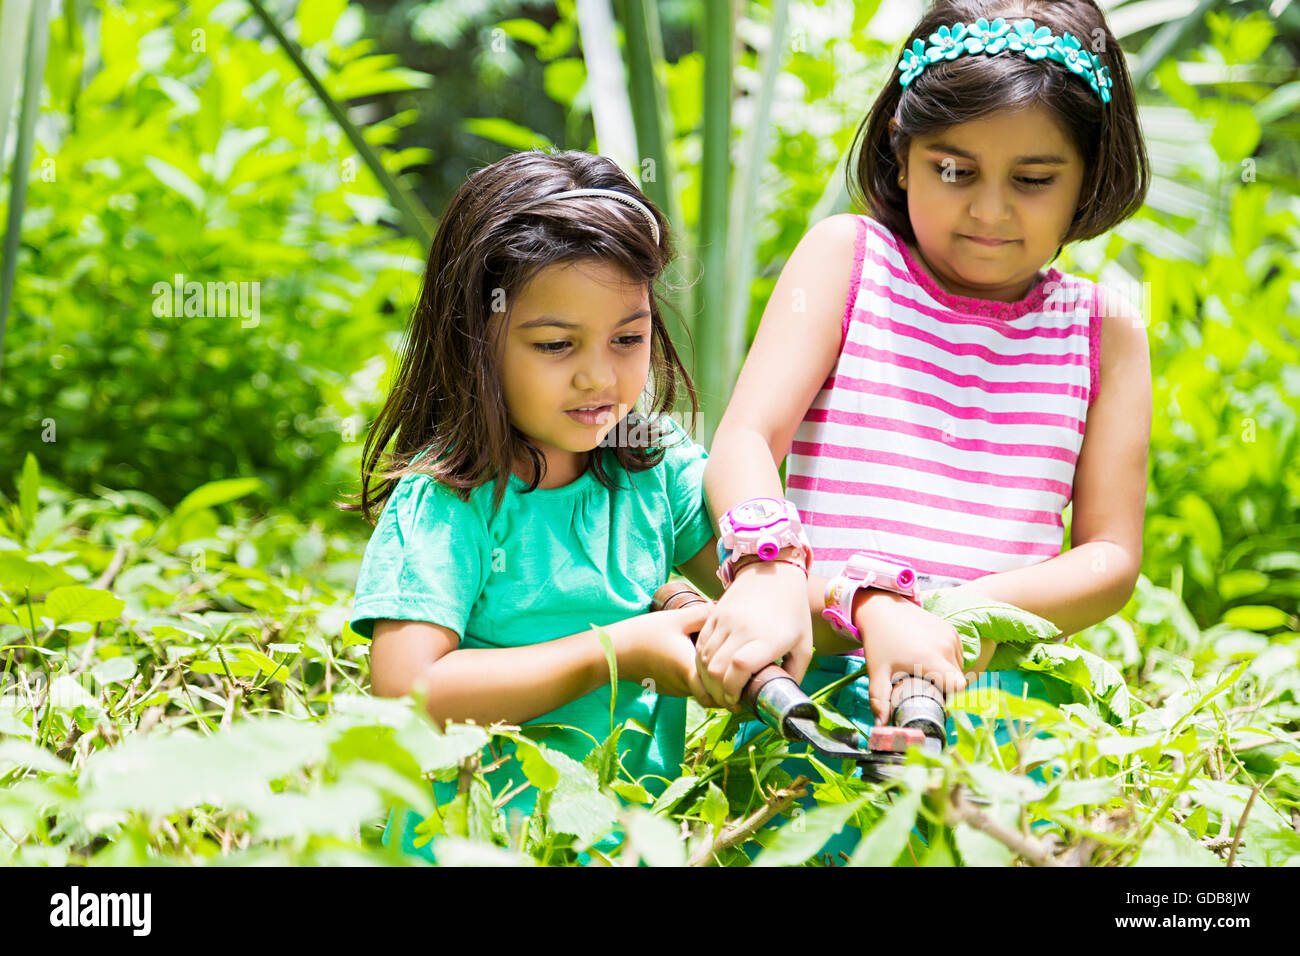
(878, 689)
(796, 662)
(693, 618)
(715, 672)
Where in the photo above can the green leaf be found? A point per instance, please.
(541, 773)
(82, 604)
(983, 617)
(177, 181)
(563, 79)
(587, 815)
(611, 659)
(28, 489)
(977, 848)
(335, 811)
(1256, 617)
(506, 133)
(525, 30)
(20, 753)
(632, 792)
(231, 768)
(713, 806)
(881, 844)
(1088, 677)
(938, 853)
(1236, 131)
(17, 573)
(674, 792)
(215, 493)
(459, 851)
(441, 751)
(577, 806)
(1172, 846)
(316, 19)
(115, 670)
(1283, 101)
(654, 839)
(995, 704)
(1236, 583)
(805, 834)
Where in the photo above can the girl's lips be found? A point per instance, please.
(597, 416)
(989, 242)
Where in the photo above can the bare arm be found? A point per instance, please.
(1096, 577)
(517, 684)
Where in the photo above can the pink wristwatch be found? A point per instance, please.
(865, 569)
(759, 526)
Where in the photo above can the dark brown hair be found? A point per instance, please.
(447, 398)
(1107, 135)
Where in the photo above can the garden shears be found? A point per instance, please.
(917, 719)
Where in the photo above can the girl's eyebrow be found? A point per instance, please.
(560, 323)
(1049, 159)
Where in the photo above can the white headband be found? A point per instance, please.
(608, 194)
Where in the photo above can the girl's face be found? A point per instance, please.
(578, 338)
(991, 200)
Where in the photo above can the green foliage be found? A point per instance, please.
(235, 174)
(168, 696)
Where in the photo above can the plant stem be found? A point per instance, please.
(777, 802)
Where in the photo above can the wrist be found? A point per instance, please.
(871, 604)
(784, 558)
(629, 651)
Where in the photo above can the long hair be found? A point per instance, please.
(1106, 135)
(447, 401)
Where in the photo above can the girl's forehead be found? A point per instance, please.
(1020, 135)
(582, 281)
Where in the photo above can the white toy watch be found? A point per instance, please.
(865, 569)
(762, 527)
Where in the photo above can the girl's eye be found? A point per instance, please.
(949, 174)
(630, 341)
(550, 348)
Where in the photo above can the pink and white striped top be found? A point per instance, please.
(948, 432)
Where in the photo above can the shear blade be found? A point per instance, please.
(806, 729)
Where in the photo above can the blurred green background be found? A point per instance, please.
(308, 147)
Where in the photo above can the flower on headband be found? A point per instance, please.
(1100, 83)
(983, 37)
(913, 63)
(1070, 52)
(947, 43)
(1035, 44)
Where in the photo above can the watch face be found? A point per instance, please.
(756, 512)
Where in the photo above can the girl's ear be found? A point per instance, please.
(901, 158)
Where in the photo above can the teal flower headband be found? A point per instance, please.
(948, 43)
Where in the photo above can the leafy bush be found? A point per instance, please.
(181, 687)
(236, 175)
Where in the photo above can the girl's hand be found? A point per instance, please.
(661, 655)
(901, 638)
(763, 617)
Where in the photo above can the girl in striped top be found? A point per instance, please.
(942, 392)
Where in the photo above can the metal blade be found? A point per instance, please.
(806, 729)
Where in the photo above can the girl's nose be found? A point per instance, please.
(989, 204)
(594, 377)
